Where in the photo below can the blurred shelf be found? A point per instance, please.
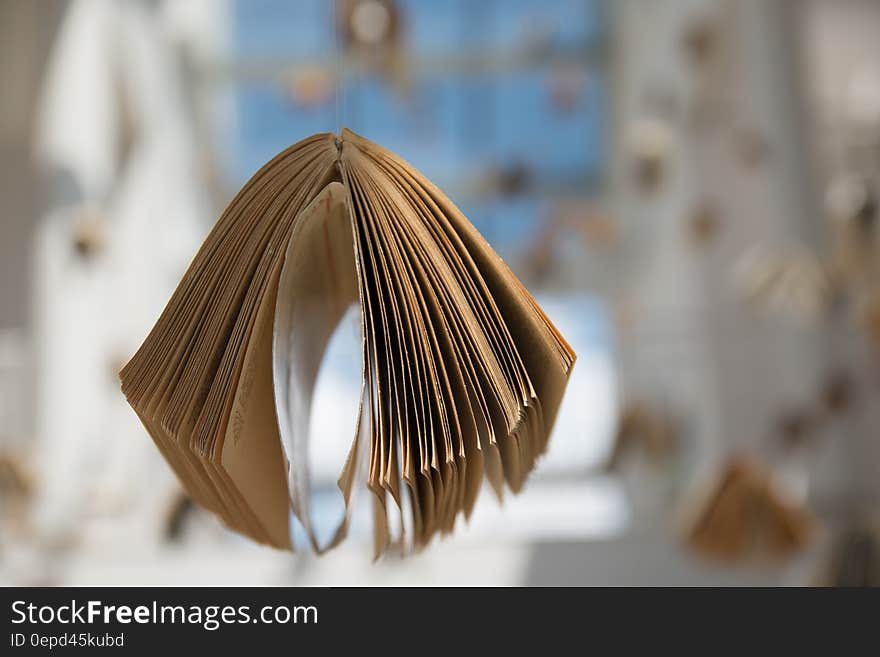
(464, 63)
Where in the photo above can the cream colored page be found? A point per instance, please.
(318, 283)
(252, 455)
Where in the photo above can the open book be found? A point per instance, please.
(462, 373)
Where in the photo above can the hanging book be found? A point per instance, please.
(745, 517)
(649, 429)
(461, 372)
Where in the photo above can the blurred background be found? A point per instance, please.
(689, 188)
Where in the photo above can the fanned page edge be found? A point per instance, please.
(520, 309)
(155, 380)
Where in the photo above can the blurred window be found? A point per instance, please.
(501, 104)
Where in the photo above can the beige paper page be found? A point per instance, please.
(252, 455)
(318, 283)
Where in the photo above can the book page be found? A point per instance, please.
(251, 454)
(318, 283)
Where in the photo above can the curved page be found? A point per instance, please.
(318, 283)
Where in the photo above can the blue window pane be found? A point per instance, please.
(433, 27)
(527, 126)
(419, 125)
(507, 224)
(565, 24)
(268, 28)
(270, 121)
